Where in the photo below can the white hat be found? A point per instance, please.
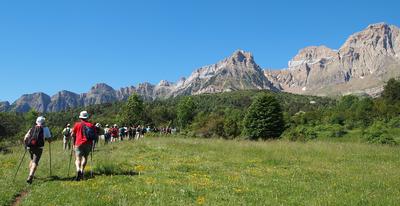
(68, 125)
(84, 115)
(98, 125)
(40, 120)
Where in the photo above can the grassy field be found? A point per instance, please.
(179, 171)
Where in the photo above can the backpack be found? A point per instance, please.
(67, 132)
(114, 132)
(35, 138)
(88, 132)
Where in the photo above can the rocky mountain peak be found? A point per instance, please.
(380, 37)
(164, 83)
(240, 56)
(312, 55)
(101, 87)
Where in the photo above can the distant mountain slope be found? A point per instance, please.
(361, 65)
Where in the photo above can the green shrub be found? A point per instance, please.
(379, 133)
(337, 130)
(300, 133)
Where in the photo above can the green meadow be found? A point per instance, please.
(190, 171)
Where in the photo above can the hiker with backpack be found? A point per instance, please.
(67, 137)
(34, 142)
(107, 134)
(114, 133)
(83, 134)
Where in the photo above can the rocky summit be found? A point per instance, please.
(361, 65)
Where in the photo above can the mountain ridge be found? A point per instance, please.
(361, 65)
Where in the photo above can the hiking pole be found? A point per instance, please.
(70, 159)
(91, 160)
(20, 163)
(50, 156)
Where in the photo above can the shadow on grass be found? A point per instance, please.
(87, 176)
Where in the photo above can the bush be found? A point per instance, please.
(300, 133)
(394, 122)
(337, 130)
(379, 133)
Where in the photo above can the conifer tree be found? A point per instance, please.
(264, 118)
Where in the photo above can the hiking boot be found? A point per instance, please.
(29, 180)
(82, 176)
(78, 176)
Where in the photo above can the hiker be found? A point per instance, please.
(107, 134)
(128, 132)
(34, 142)
(67, 137)
(121, 133)
(138, 131)
(83, 136)
(98, 133)
(114, 133)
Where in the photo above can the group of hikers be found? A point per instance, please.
(82, 137)
(108, 134)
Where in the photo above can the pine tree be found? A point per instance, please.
(391, 91)
(132, 111)
(264, 118)
(185, 111)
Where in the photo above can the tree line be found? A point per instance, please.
(240, 114)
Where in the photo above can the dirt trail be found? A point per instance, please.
(17, 200)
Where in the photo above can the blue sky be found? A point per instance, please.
(49, 46)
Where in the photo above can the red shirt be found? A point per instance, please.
(79, 138)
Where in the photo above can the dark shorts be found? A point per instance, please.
(83, 150)
(36, 153)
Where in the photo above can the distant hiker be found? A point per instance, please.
(121, 133)
(83, 134)
(128, 132)
(138, 132)
(67, 137)
(114, 133)
(98, 133)
(34, 142)
(107, 134)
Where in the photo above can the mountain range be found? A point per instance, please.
(360, 66)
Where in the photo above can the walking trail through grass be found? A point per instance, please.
(179, 171)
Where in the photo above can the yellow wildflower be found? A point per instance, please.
(201, 200)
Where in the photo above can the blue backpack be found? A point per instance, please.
(88, 132)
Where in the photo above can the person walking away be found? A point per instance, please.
(67, 137)
(138, 132)
(34, 142)
(107, 134)
(114, 133)
(121, 133)
(98, 133)
(83, 135)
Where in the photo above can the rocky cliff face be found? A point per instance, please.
(4, 106)
(64, 100)
(237, 72)
(361, 65)
(39, 101)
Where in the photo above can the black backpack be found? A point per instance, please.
(88, 132)
(67, 132)
(35, 138)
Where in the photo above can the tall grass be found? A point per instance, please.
(178, 171)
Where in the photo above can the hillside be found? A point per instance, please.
(176, 171)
